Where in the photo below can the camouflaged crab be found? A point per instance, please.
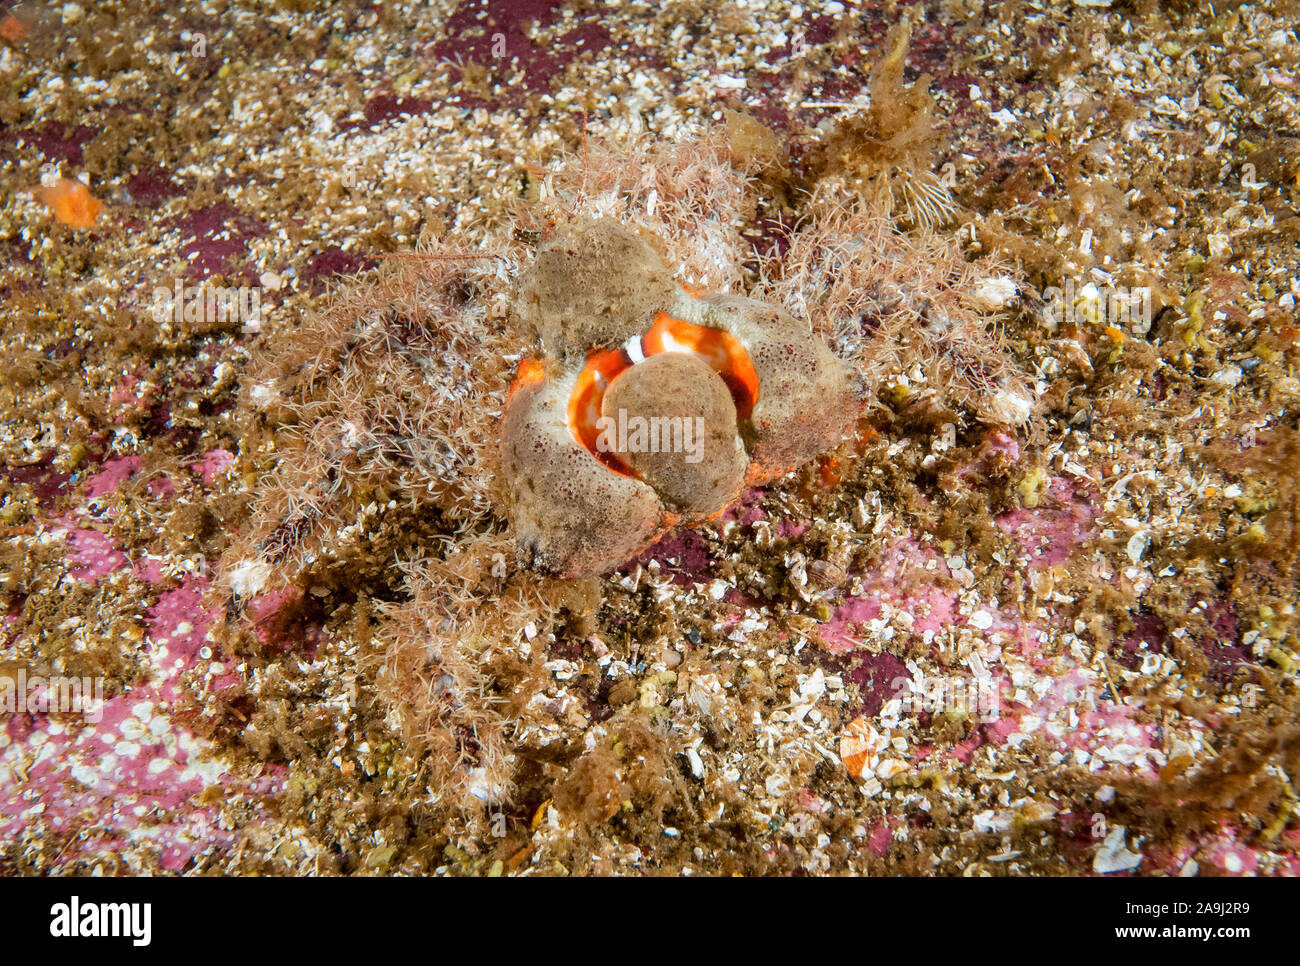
(720, 393)
(486, 429)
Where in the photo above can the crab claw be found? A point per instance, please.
(806, 398)
(572, 513)
(671, 420)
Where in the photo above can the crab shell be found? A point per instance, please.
(742, 392)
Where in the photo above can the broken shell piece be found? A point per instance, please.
(890, 767)
(858, 745)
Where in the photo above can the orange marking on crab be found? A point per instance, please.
(864, 434)
(72, 203)
(530, 371)
(760, 473)
(721, 350)
(584, 402)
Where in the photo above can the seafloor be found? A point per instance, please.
(1122, 570)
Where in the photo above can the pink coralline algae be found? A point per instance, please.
(92, 554)
(1047, 534)
(114, 472)
(126, 776)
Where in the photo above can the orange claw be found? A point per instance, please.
(584, 402)
(530, 371)
(721, 350)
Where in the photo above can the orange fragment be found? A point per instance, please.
(72, 203)
(584, 402)
(539, 816)
(11, 28)
(530, 371)
(721, 350)
(831, 472)
(519, 858)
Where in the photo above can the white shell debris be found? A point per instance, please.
(248, 577)
(1114, 854)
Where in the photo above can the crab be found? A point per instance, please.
(625, 343)
(489, 434)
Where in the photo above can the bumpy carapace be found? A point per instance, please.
(649, 406)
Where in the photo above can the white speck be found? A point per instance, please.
(814, 687)
(984, 823)
(995, 293)
(248, 577)
(481, 788)
(697, 764)
(1137, 545)
(1228, 376)
(1010, 406)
